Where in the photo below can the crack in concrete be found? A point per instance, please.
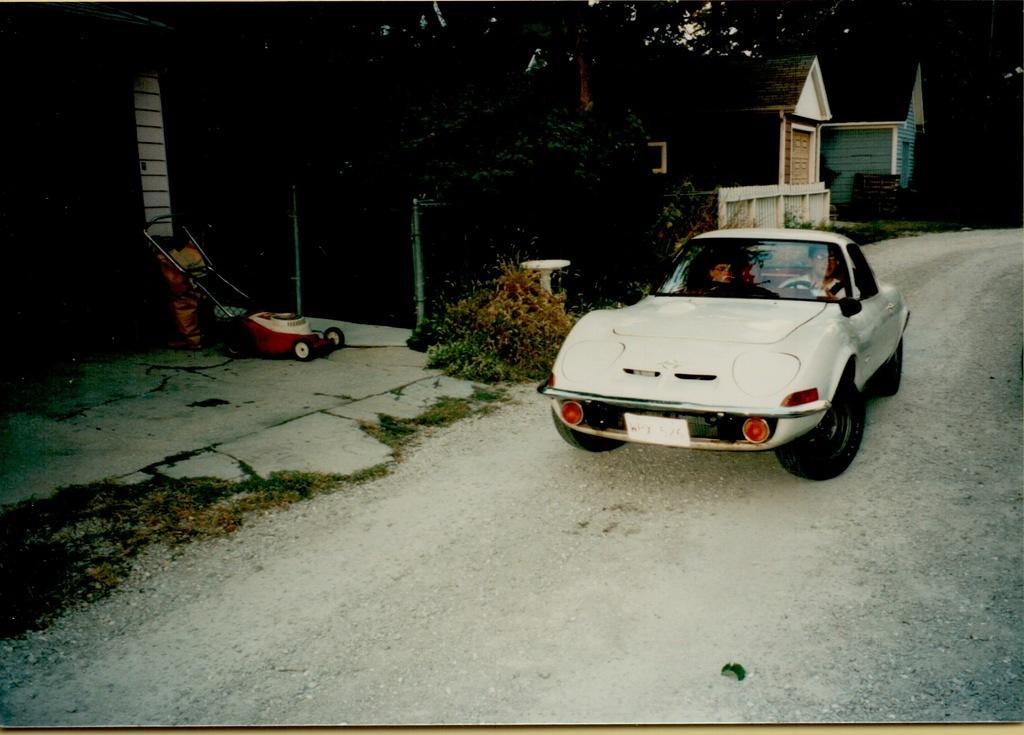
(162, 386)
(165, 380)
(326, 411)
(195, 369)
(153, 468)
(390, 391)
(171, 459)
(80, 412)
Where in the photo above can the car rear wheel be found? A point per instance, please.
(887, 379)
(828, 449)
(586, 442)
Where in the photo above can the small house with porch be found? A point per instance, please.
(749, 128)
(739, 122)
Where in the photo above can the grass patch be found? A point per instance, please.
(878, 230)
(80, 544)
(396, 432)
(487, 398)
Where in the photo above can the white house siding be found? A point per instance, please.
(905, 145)
(854, 150)
(149, 134)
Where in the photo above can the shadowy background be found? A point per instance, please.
(524, 119)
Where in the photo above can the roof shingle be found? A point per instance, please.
(732, 84)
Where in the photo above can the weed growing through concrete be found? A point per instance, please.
(396, 433)
(79, 544)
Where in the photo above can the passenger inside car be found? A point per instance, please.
(825, 276)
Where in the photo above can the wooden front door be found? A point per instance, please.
(800, 159)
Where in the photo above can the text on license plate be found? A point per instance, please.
(657, 430)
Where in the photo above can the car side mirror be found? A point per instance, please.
(849, 306)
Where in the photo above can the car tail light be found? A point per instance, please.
(801, 397)
(572, 412)
(756, 430)
(551, 380)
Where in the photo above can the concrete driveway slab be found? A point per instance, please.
(364, 335)
(315, 443)
(112, 416)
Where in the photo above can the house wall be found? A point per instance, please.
(71, 206)
(849, 151)
(905, 153)
(729, 149)
(149, 132)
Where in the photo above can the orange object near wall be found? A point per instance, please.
(185, 298)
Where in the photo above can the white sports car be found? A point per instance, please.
(758, 339)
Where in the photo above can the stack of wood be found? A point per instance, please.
(874, 195)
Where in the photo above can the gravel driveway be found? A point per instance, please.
(499, 576)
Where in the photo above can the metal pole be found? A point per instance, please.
(417, 264)
(295, 241)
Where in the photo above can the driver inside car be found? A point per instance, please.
(824, 276)
(720, 274)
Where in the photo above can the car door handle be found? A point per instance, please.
(890, 307)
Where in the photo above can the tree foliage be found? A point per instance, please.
(524, 116)
(481, 101)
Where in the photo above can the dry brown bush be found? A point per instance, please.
(509, 330)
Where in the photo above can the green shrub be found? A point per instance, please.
(508, 331)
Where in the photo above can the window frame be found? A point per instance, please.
(863, 277)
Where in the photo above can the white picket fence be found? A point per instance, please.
(772, 206)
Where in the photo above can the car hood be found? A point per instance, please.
(748, 321)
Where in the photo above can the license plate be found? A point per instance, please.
(657, 430)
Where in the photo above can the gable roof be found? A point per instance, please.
(868, 89)
(764, 84)
(791, 84)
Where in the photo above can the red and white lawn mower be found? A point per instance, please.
(274, 334)
(245, 330)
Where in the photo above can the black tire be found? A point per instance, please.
(828, 449)
(335, 336)
(237, 342)
(886, 382)
(586, 442)
(303, 351)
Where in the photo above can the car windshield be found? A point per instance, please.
(758, 269)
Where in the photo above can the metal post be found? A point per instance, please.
(417, 264)
(295, 241)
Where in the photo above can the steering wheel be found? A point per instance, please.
(798, 282)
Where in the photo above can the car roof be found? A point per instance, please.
(768, 233)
